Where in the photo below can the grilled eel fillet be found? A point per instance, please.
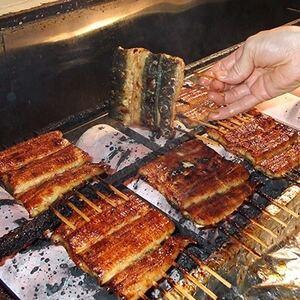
(145, 89)
(263, 141)
(136, 279)
(63, 232)
(261, 138)
(280, 164)
(107, 222)
(39, 198)
(192, 173)
(123, 247)
(39, 171)
(21, 154)
(218, 207)
(193, 105)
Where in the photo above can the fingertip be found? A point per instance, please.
(218, 115)
(216, 97)
(217, 85)
(213, 116)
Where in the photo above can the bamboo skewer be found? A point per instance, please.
(118, 192)
(168, 295)
(199, 284)
(179, 288)
(241, 119)
(225, 125)
(103, 197)
(182, 291)
(232, 120)
(274, 218)
(259, 225)
(202, 286)
(256, 239)
(248, 115)
(208, 125)
(286, 209)
(264, 228)
(243, 245)
(210, 271)
(89, 202)
(63, 219)
(112, 188)
(79, 212)
(206, 139)
(165, 293)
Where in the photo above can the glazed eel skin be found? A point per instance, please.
(120, 249)
(41, 170)
(136, 279)
(193, 175)
(145, 89)
(21, 154)
(218, 207)
(194, 105)
(39, 198)
(273, 148)
(126, 244)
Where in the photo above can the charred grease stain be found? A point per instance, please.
(123, 157)
(56, 287)
(75, 271)
(9, 202)
(21, 221)
(35, 269)
(113, 154)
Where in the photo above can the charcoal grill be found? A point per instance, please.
(209, 240)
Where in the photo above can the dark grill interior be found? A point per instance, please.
(43, 83)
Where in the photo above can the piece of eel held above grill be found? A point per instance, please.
(145, 88)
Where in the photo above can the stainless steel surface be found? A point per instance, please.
(55, 61)
(79, 23)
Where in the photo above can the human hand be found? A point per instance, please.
(265, 66)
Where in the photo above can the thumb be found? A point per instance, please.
(237, 67)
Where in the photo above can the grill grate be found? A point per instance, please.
(209, 240)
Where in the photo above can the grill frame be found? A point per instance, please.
(74, 126)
